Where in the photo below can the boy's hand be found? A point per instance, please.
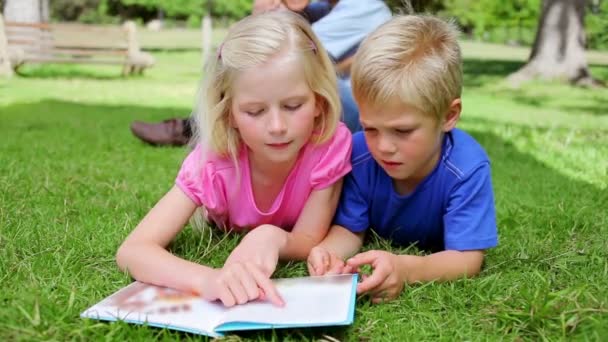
(260, 246)
(321, 261)
(239, 283)
(386, 281)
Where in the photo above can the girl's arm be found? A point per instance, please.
(313, 223)
(143, 252)
(309, 230)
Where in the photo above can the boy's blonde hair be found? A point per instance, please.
(414, 59)
(253, 41)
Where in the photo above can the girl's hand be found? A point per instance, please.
(386, 281)
(321, 261)
(239, 283)
(260, 246)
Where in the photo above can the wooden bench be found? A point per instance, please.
(74, 43)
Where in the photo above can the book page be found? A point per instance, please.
(308, 301)
(159, 306)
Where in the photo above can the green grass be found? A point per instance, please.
(74, 182)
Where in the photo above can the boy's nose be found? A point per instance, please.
(385, 145)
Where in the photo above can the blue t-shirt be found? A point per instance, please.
(451, 209)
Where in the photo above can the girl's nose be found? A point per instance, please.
(277, 124)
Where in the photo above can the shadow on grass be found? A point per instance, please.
(477, 71)
(62, 117)
(481, 72)
(549, 225)
(69, 72)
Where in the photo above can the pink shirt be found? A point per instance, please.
(230, 203)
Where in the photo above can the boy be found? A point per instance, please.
(415, 179)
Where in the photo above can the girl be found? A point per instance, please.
(269, 159)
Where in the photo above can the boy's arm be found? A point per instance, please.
(391, 272)
(442, 266)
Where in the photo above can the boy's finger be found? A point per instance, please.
(267, 286)
(365, 258)
(374, 280)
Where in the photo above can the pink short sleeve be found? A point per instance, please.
(335, 159)
(201, 181)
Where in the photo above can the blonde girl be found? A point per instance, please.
(269, 162)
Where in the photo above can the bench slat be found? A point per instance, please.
(74, 43)
(44, 26)
(75, 52)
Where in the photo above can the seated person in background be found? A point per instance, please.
(416, 179)
(340, 26)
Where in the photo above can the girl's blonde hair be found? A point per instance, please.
(412, 58)
(253, 41)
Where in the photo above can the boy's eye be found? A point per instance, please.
(403, 131)
(293, 107)
(369, 130)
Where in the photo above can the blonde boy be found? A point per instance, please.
(416, 179)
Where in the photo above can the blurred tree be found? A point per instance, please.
(559, 47)
(418, 6)
(234, 9)
(481, 18)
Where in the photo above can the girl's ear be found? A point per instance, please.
(320, 105)
(231, 121)
(452, 116)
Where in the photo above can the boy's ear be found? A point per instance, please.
(453, 115)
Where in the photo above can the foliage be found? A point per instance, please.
(480, 17)
(596, 25)
(234, 9)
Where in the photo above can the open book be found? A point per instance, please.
(309, 302)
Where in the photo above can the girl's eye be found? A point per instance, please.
(254, 113)
(293, 107)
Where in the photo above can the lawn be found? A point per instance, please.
(74, 182)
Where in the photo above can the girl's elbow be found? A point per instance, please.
(122, 256)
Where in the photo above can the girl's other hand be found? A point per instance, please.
(321, 261)
(239, 283)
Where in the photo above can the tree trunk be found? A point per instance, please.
(559, 47)
(25, 11)
(5, 65)
(206, 33)
(45, 11)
